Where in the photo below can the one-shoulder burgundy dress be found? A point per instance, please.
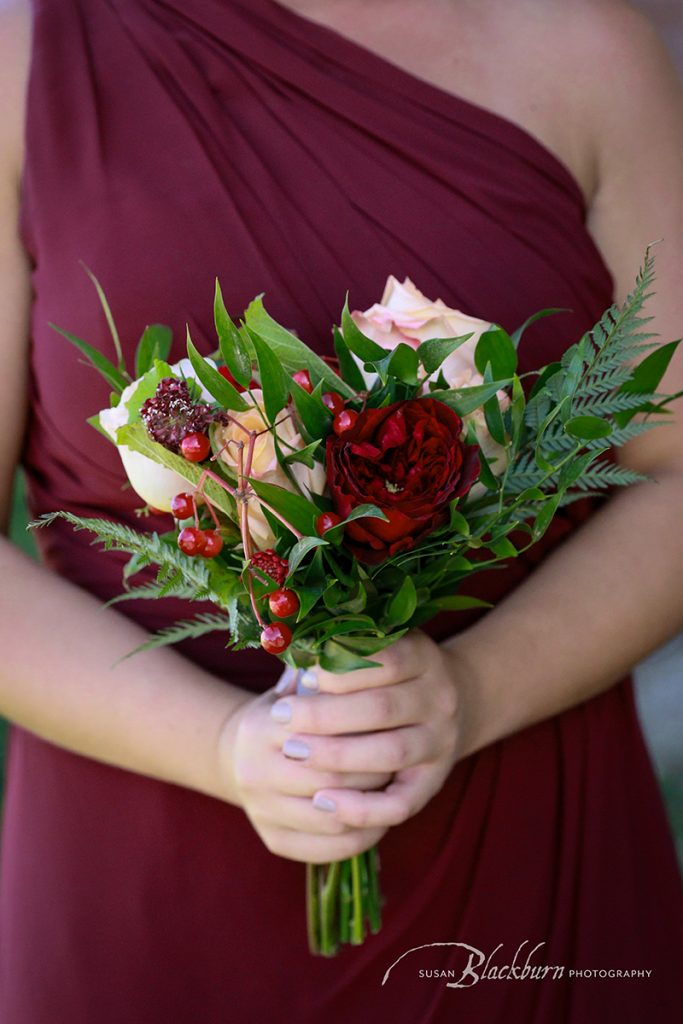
(170, 141)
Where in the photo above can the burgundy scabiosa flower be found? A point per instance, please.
(170, 415)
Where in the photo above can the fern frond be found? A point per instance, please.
(184, 629)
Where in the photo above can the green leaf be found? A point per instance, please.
(359, 512)
(495, 348)
(293, 353)
(301, 513)
(304, 455)
(516, 336)
(433, 352)
(336, 658)
(573, 470)
(234, 352)
(155, 343)
(222, 390)
(301, 549)
(372, 644)
(111, 374)
(366, 349)
(308, 598)
(347, 364)
(313, 415)
(403, 364)
(109, 318)
(136, 437)
(274, 382)
(458, 523)
(588, 428)
(646, 377)
(545, 516)
(402, 605)
(466, 400)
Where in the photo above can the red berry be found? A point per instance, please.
(333, 401)
(181, 506)
(344, 420)
(326, 522)
(283, 603)
(225, 372)
(195, 447)
(303, 379)
(191, 540)
(213, 544)
(276, 637)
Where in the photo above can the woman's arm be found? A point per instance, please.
(614, 591)
(156, 714)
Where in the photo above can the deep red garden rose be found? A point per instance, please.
(409, 460)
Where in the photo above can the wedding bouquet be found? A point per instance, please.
(325, 506)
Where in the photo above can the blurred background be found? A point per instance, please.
(658, 680)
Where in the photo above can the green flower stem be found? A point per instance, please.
(345, 900)
(357, 921)
(313, 909)
(328, 910)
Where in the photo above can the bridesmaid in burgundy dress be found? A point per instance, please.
(169, 141)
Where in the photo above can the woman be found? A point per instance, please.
(302, 149)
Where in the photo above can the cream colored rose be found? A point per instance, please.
(265, 466)
(154, 483)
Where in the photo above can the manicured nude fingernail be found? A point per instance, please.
(296, 748)
(309, 680)
(281, 711)
(285, 680)
(323, 803)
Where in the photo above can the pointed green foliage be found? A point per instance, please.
(495, 349)
(646, 378)
(233, 349)
(222, 390)
(312, 414)
(516, 336)
(274, 381)
(347, 364)
(335, 657)
(109, 318)
(459, 603)
(359, 512)
(433, 352)
(301, 549)
(154, 344)
(466, 400)
(294, 508)
(366, 349)
(293, 353)
(113, 376)
(401, 606)
(306, 455)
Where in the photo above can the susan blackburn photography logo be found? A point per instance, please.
(475, 965)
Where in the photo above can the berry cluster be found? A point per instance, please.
(271, 565)
(194, 541)
(175, 421)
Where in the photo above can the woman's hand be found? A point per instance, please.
(403, 719)
(276, 791)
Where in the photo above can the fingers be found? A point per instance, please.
(318, 849)
(401, 660)
(386, 752)
(383, 707)
(401, 799)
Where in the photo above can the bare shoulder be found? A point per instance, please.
(15, 53)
